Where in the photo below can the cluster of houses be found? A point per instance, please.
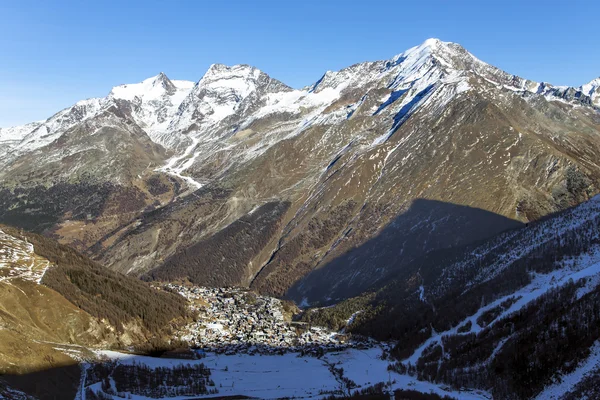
(233, 320)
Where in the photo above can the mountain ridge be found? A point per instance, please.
(431, 43)
(349, 154)
(431, 199)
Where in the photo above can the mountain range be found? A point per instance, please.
(431, 200)
(335, 179)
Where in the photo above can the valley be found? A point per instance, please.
(288, 375)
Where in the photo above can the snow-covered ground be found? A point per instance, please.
(584, 266)
(18, 260)
(292, 375)
(177, 164)
(568, 382)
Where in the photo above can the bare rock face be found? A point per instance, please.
(342, 183)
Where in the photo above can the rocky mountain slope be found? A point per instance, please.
(344, 182)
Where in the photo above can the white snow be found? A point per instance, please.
(258, 376)
(290, 375)
(19, 261)
(178, 164)
(568, 382)
(149, 89)
(15, 134)
(592, 89)
(585, 266)
(422, 293)
(150, 97)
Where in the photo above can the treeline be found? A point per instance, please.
(223, 258)
(520, 354)
(455, 284)
(380, 392)
(39, 207)
(124, 380)
(587, 388)
(335, 318)
(103, 293)
(156, 185)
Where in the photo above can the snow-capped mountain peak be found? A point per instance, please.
(166, 108)
(222, 71)
(594, 82)
(238, 79)
(221, 92)
(425, 49)
(433, 59)
(152, 88)
(448, 54)
(592, 89)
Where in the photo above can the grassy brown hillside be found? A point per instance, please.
(53, 297)
(225, 258)
(103, 293)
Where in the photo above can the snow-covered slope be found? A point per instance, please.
(18, 260)
(229, 99)
(155, 102)
(592, 89)
(13, 135)
(459, 315)
(151, 103)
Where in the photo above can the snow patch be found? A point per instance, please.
(568, 382)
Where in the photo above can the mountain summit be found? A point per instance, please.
(592, 90)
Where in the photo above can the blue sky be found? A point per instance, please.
(55, 53)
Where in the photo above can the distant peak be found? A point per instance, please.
(434, 44)
(449, 54)
(595, 82)
(221, 71)
(217, 67)
(222, 68)
(431, 42)
(152, 87)
(160, 79)
(429, 46)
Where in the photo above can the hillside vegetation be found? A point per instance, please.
(509, 315)
(103, 293)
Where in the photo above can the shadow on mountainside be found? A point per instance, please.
(59, 382)
(428, 225)
(67, 382)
